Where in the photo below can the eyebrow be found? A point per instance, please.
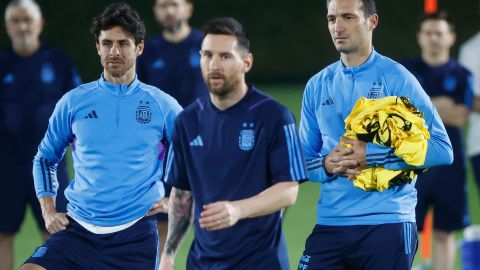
(341, 15)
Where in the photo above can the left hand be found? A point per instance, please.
(219, 215)
(350, 164)
(359, 151)
(159, 207)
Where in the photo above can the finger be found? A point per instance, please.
(211, 209)
(64, 220)
(212, 220)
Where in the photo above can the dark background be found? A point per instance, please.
(290, 40)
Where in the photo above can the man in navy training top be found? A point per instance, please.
(171, 62)
(450, 87)
(359, 229)
(236, 159)
(119, 129)
(33, 77)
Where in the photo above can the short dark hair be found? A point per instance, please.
(230, 27)
(369, 7)
(440, 15)
(119, 14)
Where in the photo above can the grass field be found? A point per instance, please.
(299, 220)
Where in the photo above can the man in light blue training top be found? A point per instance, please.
(359, 229)
(119, 129)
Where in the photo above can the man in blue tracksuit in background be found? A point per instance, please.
(33, 77)
(359, 229)
(119, 129)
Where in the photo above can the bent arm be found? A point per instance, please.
(271, 200)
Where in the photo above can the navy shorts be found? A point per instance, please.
(76, 248)
(372, 247)
(19, 191)
(444, 188)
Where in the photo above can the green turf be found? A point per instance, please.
(299, 220)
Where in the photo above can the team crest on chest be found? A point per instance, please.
(376, 91)
(246, 140)
(144, 113)
(47, 73)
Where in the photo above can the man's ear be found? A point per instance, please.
(372, 22)
(139, 48)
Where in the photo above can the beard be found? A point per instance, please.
(121, 67)
(173, 26)
(220, 90)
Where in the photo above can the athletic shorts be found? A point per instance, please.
(19, 191)
(373, 247)
(76, 248)
(443, 188)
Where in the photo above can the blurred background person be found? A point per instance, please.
(449, 86)
(171, 62)
(33, 77)
(469, 58)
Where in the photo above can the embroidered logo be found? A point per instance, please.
(8, 79)
(194, 58)
(449, 83)
(92, 115)
(158, 64)
(47, 73)
(376, 91)
(246, 140)
(144, 113)
(39, 252)
(197, 141)
(327, 102)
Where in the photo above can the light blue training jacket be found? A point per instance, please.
(328, 99)
(118, 135)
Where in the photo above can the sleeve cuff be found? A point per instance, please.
(380, 156)
(316, 171)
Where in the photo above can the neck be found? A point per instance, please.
(126, 78)
(357, 58)
(25, 51)
(179, 35)
(436, 59)
(224, 102)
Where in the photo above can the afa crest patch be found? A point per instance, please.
(48, 73)
(39, 252)
(144, 113)
(246, 140)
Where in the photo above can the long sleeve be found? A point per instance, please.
(439, 150)
(52, 149)
(311, 139)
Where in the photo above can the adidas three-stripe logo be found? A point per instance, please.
(92, 115)
(197, 141)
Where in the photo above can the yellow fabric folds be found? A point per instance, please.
(393, 122)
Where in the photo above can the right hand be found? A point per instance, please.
(55, 222)
(166, 262)
(340, 162)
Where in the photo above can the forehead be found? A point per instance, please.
(337, 7)
(170, 2)
(115, 33)
(435, 25)
(219, 43)
(25, 10)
